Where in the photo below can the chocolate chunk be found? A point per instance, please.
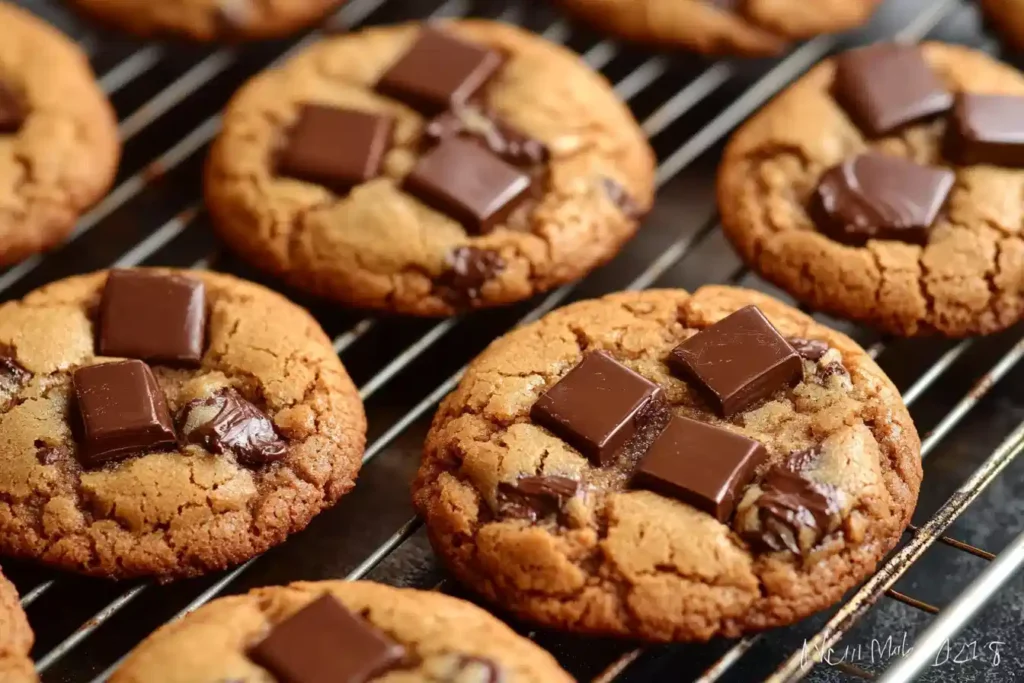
(12, 378)
(621, 198)
(123, 411)
(227, 423)
(12, 112)
(884, 87)
(535, 497)
(700, 464)
(336, 148)
(738, 361)
(880, 197)
(484, 127)
(794, 513)
(811, 349)
(469, 269)
(467, 182)
(439, 71)
(601, 407)
(986, 129)
(153, 316)
(50, 455)
(326, 643)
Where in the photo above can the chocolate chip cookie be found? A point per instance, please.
(744, 27)
(59, 146)
(208, 19)
(15, 638)
(342, 632)
(1007, 17)
(896, 200)
(167, 423)
(669, 467)
(427, 169)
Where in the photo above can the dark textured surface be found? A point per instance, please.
(340, 540)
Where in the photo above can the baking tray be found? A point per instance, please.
(963, 394)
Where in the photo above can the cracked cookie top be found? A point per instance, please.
(491, 165)
(428, 638)
(15, 638)
(212, 449)
(59, 146)
(746, 27)
(886, 204)
(656, 541)
(208, 19)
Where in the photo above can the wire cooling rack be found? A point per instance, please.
(961, 393)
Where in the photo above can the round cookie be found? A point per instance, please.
(553, 171)
(439, 638)
(532, 523)
(745, 27)
(206, 20)
(15, 638)
(242, 438)
(1008, 18)
(964, 276)
(59, 145)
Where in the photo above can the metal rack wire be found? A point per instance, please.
(719, 95)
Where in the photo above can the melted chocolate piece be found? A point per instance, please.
(227, 423)
(336, 148)
(880, 197)
(123, 411)
(535, 497)
(810, 349)
(326, 643)
(469, 269)
(621, 198)
(440, 71)
(473, 669)
(885, 87)
(794, 512)
(484, 127)
(700, 464)
(602, 408)
(467, 182)
(12, 378)
(737, 362)
(12, 111)
(986, 129)
(153, 316)
(50, 455)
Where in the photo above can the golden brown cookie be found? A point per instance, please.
(208, 19)
(938, 248)
(167, 423)
(399, 635)
(509, 171)
(15, 638)
(1007, 16)
(59, 146)
(686, 510)
(745, 27)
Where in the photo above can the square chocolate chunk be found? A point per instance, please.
(336, 148)
(738, 361)
(599, 406)
(439, 71)
(700, 464)
(326, 643)
(123, 411)
(875, 196)
(469, 183)
(153, 316)
(885, 87)
(986, 129)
